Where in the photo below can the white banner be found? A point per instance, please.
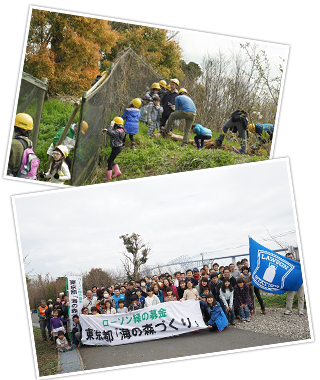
(75, 295)
(154, 322)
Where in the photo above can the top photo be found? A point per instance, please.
(103, 100)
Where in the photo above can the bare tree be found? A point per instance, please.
(136, 255)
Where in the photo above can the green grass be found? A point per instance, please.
(47, 355)
(277, 301)
(157, 156)
(152, 156)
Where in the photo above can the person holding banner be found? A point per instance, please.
(290, 295)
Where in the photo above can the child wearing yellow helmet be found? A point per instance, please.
(117, 135)
(58, 172)
(131, 116)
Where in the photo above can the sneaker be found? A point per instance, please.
(300, 312)
(248, 319)
(287, 312)
(263, 311)
(243, 320)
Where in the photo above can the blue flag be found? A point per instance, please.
(272, 272)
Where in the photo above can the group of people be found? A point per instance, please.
(225, 293)
(159, 108)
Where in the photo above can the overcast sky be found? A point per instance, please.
(196, 45)
(71, 231)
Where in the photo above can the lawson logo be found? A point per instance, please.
(271, 271)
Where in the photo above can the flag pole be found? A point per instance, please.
(67, 291)
(254, 304)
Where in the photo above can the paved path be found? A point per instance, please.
(193, 344)
(68, 361)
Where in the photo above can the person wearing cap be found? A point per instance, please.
(131, 116)
(58, 172)
(163, 88)
(196, 274)
(201, 133)
(184, 109)
(117, 135)
(69, 141)
(155, 89)
(154, 115)
(167, 101)
(258, 129)
(23, 126)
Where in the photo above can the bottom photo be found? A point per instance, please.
(162, 268)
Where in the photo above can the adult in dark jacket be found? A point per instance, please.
(227, 274)
(237, 123)
(168, 101)
(128, 294)
(76, 332)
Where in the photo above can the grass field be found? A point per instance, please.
(277, 301)
(157, 156)
(152, 156)
(47, 355)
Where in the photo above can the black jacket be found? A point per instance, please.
(215, 288)
(168, 97)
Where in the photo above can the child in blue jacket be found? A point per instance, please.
(201, 133)
(132, 116)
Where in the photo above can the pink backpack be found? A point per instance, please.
(29, 164)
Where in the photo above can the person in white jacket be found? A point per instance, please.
(59, 171)
(226, 297)
(152, 299)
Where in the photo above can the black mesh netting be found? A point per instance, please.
(129, 78)
(30, 97)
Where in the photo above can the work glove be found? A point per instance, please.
(56, 176)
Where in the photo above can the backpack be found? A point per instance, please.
(240, 115)
(30, 162)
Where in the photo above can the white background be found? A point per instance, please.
(266, 23)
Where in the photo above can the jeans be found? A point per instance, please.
(244, 312)
(229, 314)
(241, 131)
(201, 138)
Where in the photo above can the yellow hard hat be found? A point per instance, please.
(118, 120)
(63, 149)
(163, 83)
(252, 128)
(175, 80)
(24, 121)
(182, 90)
(156, 86)
(84, 127)
(168, 87)
(137, 102)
